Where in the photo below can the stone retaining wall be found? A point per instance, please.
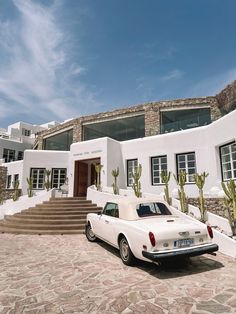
(3, 177)
(8, 194)
(213, 205)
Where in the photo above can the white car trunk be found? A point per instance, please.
(168, 235)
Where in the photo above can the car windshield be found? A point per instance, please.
(152, 209)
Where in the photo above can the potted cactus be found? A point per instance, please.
(181, 180)
(230, 202)
(136, 174)
(115, 174)
(98, 169)
(30, 186)
(200, 181)
(165, 178)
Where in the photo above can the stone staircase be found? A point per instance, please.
(57, 216)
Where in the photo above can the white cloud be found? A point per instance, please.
(174, 74)
(34, 73)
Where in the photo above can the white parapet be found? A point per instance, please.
(11, 207)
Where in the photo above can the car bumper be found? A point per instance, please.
(183, 252)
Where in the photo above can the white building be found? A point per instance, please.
(210, 148)
(14, 141)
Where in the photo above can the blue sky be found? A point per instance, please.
(65, 58)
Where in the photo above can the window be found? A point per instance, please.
(152, 209)
(175, 120)
(20, 155)
(186, 162)
(8, 155)
(38, 177)
(158, 164)
(60, 141)
(26, 132)
(228, 161)
(58, 177)
(123, 129)
(8, 181)
(132, 164)
(16, 177)
(111, 209)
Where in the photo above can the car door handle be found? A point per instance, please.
(106, 221)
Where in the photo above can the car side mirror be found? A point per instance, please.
(99, 213)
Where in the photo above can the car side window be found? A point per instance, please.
(111, 209)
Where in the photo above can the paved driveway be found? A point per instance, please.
(66, 274)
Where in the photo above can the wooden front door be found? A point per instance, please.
(81, 179)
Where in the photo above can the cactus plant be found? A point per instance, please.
(115, 174)
(165, 178)
(181, 180)
(16, 193)
(98, 169)
(230, 202)
(199, 180)
(47, 183)
(30, 186)
(136, 174)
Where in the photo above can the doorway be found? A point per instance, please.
(85, 175)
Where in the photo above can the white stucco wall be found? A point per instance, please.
(13, 168)
(42, 159)
(204, 141)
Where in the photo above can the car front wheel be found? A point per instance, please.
(125, 252)
(89, 233)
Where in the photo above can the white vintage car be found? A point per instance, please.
(147, 229)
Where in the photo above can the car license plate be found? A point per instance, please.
(183, 243)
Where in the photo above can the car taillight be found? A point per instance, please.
(210, 232)
(152, 239)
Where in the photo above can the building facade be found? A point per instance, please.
(194, 135)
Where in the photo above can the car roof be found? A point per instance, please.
(127, 206)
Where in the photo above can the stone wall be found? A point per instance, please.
(151, 110)
(227, 98)
(8, 194)
(3, 177)
(213, 205)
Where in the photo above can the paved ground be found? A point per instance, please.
(66, 274)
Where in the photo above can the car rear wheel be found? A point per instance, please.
(89, 233)
(125, 252)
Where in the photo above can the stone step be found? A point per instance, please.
(66, 203)
(34, 226)
(79, 198)
(79, 205)
(53, 213)
(62, 210)
(51, 221)
(66, 216)
(51, 216)
(39, 232)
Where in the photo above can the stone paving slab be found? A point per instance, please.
(67, 274)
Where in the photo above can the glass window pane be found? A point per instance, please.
(119, 129)
(61, 141)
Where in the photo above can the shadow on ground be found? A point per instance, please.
(174, 268)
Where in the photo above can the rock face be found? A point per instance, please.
(227, 98)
